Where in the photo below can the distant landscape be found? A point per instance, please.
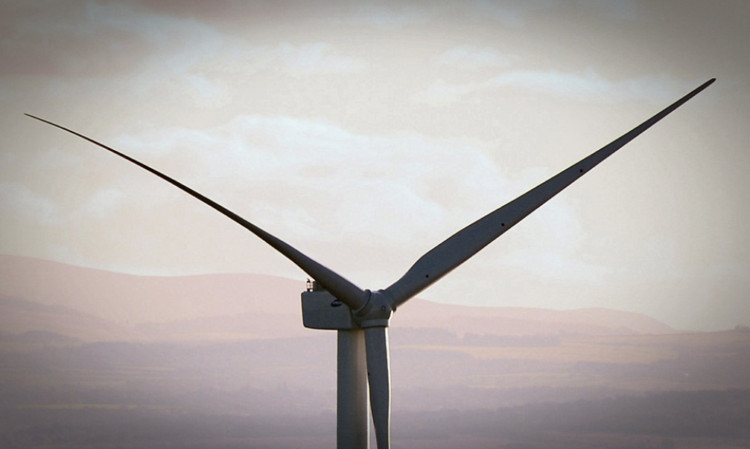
(93, 359)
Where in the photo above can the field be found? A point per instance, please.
(629, 391)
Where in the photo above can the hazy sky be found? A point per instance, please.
(365, 134)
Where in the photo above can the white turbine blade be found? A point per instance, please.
(340, 287)
(379, 378)
(468, 241)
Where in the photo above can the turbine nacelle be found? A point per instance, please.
(322, 310)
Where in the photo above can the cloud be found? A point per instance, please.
(102, 203)
(554, 251)
(318, 57)
(176, 49)
(20, 201)
(508, 13)
(383, 197)
(617, 9)
(279, 160)
(587, 86)
(397, 16)
(88, 45)
(469, 57)
(385, 17)
(591, 86)
(93, 40)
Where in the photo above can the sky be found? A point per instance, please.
(364, 134)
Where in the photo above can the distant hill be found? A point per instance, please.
(91, 304)
(93, 359)
(527, 321)
(150, 307)
(33, 320)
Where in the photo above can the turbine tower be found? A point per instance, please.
(361, 317)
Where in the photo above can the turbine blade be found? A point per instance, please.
(339, 286)
(468, 241)
(379, 378)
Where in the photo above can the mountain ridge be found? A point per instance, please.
(236, 306)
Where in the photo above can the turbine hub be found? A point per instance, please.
(377, 310)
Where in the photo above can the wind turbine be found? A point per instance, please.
(362, 317)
